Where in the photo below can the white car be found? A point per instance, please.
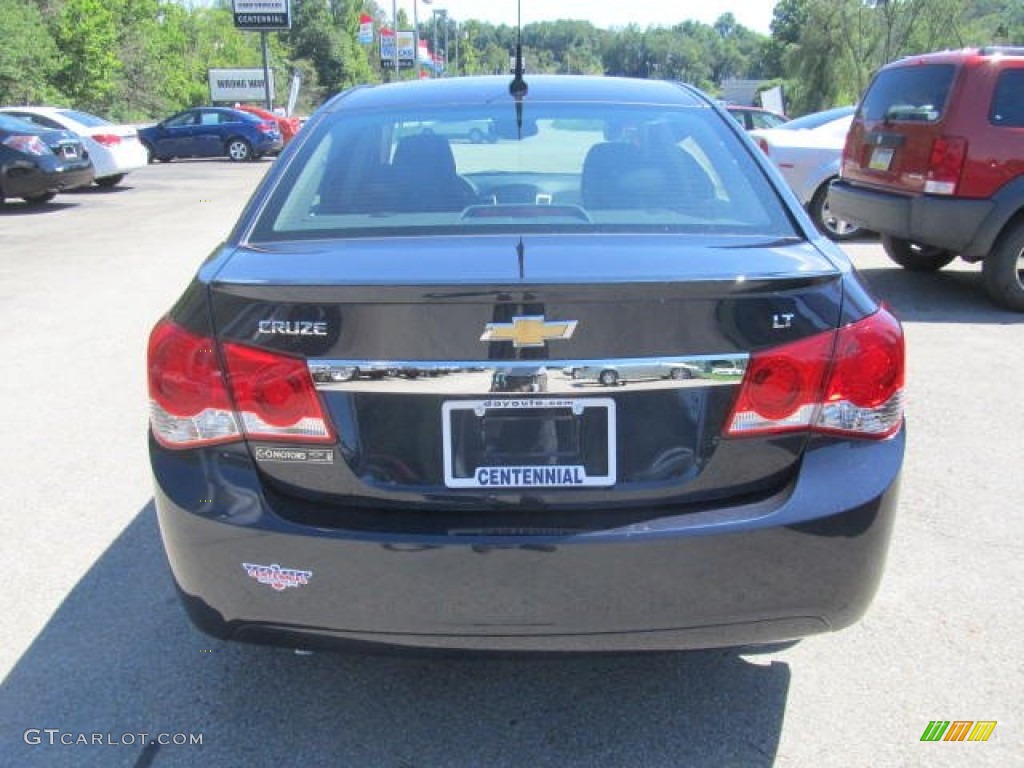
(115, 150)
(809, 158)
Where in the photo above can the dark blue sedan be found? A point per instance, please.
(212, 132)
(340, 458)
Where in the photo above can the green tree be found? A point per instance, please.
(87, 33)
(29, 59)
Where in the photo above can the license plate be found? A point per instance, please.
(881, 159)
(529, 442)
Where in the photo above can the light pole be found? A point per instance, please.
(444, 16)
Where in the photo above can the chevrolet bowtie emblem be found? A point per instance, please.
(530, 331)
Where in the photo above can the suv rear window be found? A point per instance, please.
(577, 167)
(910, 93)
(1008, 99)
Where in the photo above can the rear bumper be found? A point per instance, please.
(808, 560)
(949, 223)
(28, 180)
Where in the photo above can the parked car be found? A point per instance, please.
(36, 163)
(934, 161)
(817, 119)
(115, 150)
(755, 117)
(809, 159)
(212, 132)
(288, 126)
(610, 375)
(476, 510)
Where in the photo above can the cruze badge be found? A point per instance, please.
(529, 331)
(293, 327)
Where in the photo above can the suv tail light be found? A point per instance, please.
(192, 403)
(267, 127)
(107, 139)
(763, 144)
(945, 164)
(847, 382)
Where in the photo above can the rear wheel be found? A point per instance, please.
(608, 378)
(827, 223)
(110, 181)
(476, 136)
(1003, 269)
(239, 150)
(679, 374)
(39, 199)
(916, 257)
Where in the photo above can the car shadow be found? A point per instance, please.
(21, 208)
(93, 189)
(118, 658)
(946, 296)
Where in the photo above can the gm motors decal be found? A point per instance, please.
(276, 577)
(293, 455)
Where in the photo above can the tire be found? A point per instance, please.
(39, 199)
(476, 136)
(679, 374)
(153, 158)
(1003, 269)
(608, 378)
(916, 257)
(110, 181)
(831, 227)
(239, 150)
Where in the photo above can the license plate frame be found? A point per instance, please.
(531, 475)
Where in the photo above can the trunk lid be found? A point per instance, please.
(461, 357)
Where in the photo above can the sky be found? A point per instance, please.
(753, 14)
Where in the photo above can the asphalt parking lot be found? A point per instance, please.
(94, 641)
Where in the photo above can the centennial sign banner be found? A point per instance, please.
(262, 14)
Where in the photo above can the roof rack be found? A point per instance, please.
(1011, 50)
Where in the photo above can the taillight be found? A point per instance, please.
(847, 164)
(275, 397)
(848, 382)
(782, 387)
(33, 145)
(188, 396)
(267, 127)
(763, 144)
(265, 395)
(864, 395)
(945, 164)
(107, 139)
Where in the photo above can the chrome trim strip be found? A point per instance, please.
(484, 377)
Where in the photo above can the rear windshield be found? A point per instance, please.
(84, 118)
(568, 167)
(909, 93)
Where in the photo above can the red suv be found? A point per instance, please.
(934, 162)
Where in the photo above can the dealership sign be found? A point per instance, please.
(406, 47)
(262, 14)
(233, 85)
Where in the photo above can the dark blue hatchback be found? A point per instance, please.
(212, 132)
(340, 457)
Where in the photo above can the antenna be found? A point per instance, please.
(518, 88)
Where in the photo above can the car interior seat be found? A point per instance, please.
(616, 175)
(424, 172)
